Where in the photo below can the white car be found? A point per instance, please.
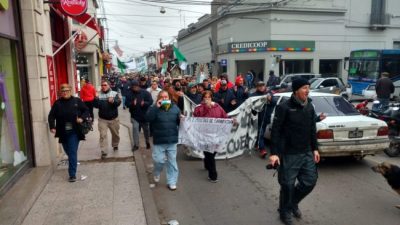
(344, 132)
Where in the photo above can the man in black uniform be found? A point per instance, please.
(294, 149)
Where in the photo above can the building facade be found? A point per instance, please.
(290, 36)
(37, 54)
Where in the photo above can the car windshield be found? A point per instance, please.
(314, 83)
(333, 106)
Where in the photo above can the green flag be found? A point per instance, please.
(164, 67)
(121, 66)
(181, 58)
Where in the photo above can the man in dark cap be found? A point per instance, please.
(225, 97)
(138, 101)
(294, 149)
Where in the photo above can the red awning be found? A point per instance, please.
(82, 19)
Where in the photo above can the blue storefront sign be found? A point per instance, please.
(224, 62)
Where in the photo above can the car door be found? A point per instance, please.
(329, 86)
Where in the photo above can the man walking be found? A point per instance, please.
(124, 89)
(294, 148)
(138, 101)
(107, 102)
(384, 87)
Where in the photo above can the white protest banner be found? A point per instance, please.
(242, 136)
(188, 106)
(205, 134)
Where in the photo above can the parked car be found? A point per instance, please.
(344, 132)
(331, 85)
(288, 78)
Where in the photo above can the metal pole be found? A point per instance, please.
(72, 37)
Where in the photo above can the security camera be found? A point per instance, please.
(162, 10)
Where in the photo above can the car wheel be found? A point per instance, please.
(393, 150)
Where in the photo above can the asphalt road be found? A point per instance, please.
(347, 192)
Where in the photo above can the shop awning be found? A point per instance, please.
(83, 19)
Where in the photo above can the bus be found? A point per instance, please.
(366, 66)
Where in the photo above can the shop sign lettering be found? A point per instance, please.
(74, 7)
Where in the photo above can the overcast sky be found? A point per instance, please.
(139, 25)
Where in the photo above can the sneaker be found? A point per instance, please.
(156, 178)
(72, 179)
(103, 155)
(296, 212)
(213, 181)
(172, 187)
(147, 145)
(115, 148)
(134, 148)
(286, 219)
(263, 153)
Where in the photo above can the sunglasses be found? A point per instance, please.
(65, 90)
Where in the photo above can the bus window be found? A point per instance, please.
(392, 66)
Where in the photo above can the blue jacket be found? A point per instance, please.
(138, 111)
(164, 124)
(241, 95)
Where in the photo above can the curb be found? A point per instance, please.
(149, 205)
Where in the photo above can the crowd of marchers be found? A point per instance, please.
(155, 103)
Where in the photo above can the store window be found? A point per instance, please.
(12, 143)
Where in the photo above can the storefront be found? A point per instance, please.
(15, 136)
(259, 57)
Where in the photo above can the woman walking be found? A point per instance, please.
(64, 118)
(210, 109)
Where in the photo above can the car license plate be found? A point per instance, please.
(356, 134)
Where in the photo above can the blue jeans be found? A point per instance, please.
(261, 142)
(123, 101)
(70, 146)
(382, 106)
(136, 131)
(161, 151)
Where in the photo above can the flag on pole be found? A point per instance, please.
(181, 58)
(164, 67)
(121, 66)
(118, 50)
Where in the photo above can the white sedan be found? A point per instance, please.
(344, 132)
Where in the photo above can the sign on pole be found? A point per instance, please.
(74, 7)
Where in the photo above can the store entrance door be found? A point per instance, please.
(329, 67)
(255, 66)
(294, 66)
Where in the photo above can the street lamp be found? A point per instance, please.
(162, 10)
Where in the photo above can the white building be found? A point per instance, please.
(290, 36)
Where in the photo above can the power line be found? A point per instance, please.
(131, 2)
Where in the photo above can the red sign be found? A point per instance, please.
(74, 7)
(52, 79)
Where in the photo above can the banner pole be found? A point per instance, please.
(72, 37)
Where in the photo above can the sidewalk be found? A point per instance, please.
(110, 193)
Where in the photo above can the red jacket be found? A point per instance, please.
(215, 111)
(88, 93)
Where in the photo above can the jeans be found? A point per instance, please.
(261, 141)
(70, 146)
(166, 153)
(123, 101)
(135, 131)
(382, 106)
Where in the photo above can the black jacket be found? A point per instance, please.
(196, 98)
(293, 128)
(138, 111)
(241, 95)
(164, 124)
(107, 110)
(384, 87)
(224, 98)
(67, 110)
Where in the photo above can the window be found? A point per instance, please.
(329, 83)
(396, 44)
